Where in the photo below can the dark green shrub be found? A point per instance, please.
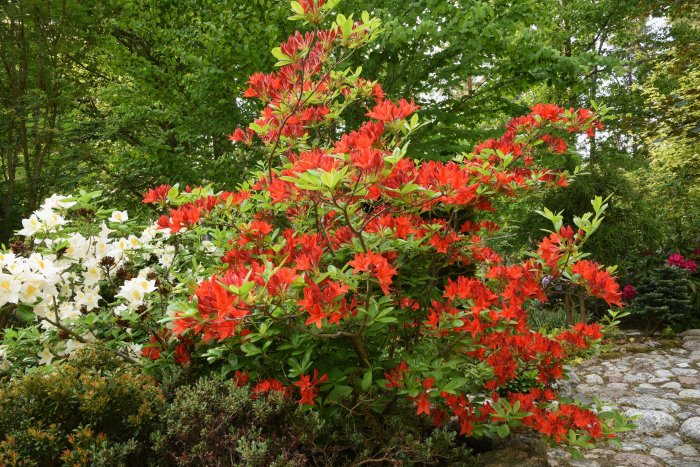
(216, 423)
(93, 409)
(664, 298)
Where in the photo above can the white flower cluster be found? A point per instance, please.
(45, 220)
(61, 279)
(59, 285)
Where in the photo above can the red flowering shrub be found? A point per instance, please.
(352, 271)
(679, 261)
(629, 292)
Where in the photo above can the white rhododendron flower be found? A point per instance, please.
(44, 266)
(77, 246)
(135, 349)
(121, 310)
(104, 232)
(57, 202)
(135, 290)
(9, 289)
(165, 255)
(30, 226)
(31, 290)
(45, 356)
(43, 310)
(133, 242)
(69, 311)
(93, 273)
(7, 258)
(119, 217)
(88, 297)
(101, 249)
(72, 345)
(50, 220)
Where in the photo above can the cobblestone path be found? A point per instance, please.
(662, 386)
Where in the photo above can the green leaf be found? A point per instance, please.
(250, 349)
(26, 313)
(297, 8)
(366, 382)
(339, 392)
(454, 384)
(502, 430)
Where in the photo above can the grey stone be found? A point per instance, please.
(685, 415)
(636, 377)
(686, 450)
(615, 378)
(657, 380)
(660, 452)
(685, 462)
(603, 453)
(689, 380)
(690, 332)
(689, 393)
(666, 441)
(594, 379)
(621, 385)
(524, 450)
(646, 388)
(584, 463)
(627, 459)
(691, 344)
(685, 372)
(691, 428)
(651, 403)
(672, 385)
(663, 373)
(652, 420)
(630, 446)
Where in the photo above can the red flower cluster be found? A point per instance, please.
(676, 259)
(378, 267)
(629, 292)
(269, 385)
(321, 303)
(308, 387)
(598, 282)
(387, 111)
(581, 334)
(157, 195)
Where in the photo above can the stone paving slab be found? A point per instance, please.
(662, 386)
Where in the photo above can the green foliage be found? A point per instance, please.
(631, 224)
(177, 68)
(46, 57)
(469, 64)
(216, 423)
(545, 319)
(664, 298)
(90, 410)
(670, 92)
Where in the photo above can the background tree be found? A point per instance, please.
(46, 53)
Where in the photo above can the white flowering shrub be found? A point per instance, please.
(81, 273)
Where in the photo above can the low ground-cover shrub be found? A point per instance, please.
(90, 410)
(218, 423)
(345, 276)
